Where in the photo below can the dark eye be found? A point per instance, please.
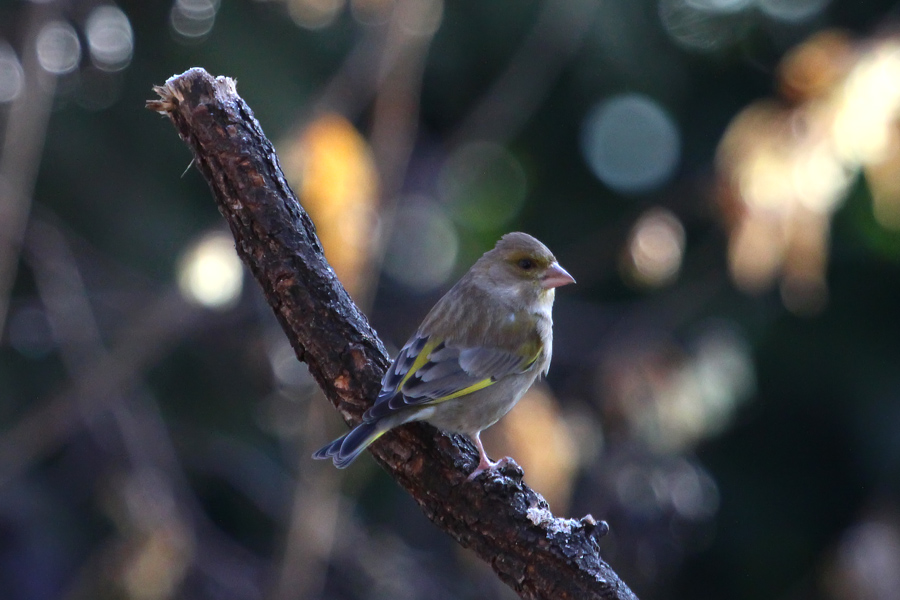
(526, 264)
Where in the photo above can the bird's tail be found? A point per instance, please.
(346, 448)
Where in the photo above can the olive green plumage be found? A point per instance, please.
(476, 353)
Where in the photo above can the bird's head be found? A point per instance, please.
(522, 266)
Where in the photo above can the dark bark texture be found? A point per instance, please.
(505, 522)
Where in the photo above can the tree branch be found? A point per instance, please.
(506, 523)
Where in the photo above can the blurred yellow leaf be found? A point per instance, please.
(884, 183)
(785, 167)
(331, 165)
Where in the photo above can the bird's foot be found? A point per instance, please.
(488, 465)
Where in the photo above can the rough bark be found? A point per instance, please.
(497, 515)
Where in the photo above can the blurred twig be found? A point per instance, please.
(96, 385)
(112, 380)
(162, 519)
(315, 512)
(502, 520)
(396, 109)
(20, 155)
(516, 94)
(353, 85)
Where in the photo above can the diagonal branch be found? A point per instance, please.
(505, 522)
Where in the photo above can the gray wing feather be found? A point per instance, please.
(448, 370)
(490, 362)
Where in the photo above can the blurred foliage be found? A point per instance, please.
(718, 175)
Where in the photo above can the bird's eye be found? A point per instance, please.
(526, 264)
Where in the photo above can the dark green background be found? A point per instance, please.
(808, 458)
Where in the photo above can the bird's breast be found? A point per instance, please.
(479, 410)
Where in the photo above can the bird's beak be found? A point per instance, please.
(555, 277)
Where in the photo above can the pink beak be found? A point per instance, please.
(555, 277)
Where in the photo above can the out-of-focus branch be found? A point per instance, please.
(396, 108)
(558, 33)
(97, 385)
(502, 520)
(20, 154)
(111, 380)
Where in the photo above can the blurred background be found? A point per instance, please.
(722, 177)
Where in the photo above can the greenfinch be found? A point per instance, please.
(476, 353)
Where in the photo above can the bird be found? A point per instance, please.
(476, 353)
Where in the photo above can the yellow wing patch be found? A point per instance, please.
(466, 390)
(421, 359)
(481, 384)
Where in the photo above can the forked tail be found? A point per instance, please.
(346, 448)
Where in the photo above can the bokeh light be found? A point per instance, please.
(690, 490)
(672, 396)
(483, 185)
(210, 272)
(884, 185)
(287, 369)
(704, 25)
(424, 244)
(679, 486)
(58, 48)
(787, 167)
(314, 14)
(630, 143)
(723, 367)
(814, 68)
(713, 25)
(655, 248)
(371, 12)
(193, 20)
(792, 11)
(865, 563)
(723, 6)
(110, 39)
(786, 184)
(12, 77)
(867, 106)
(420, 18)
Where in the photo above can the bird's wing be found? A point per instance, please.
(430, 370)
